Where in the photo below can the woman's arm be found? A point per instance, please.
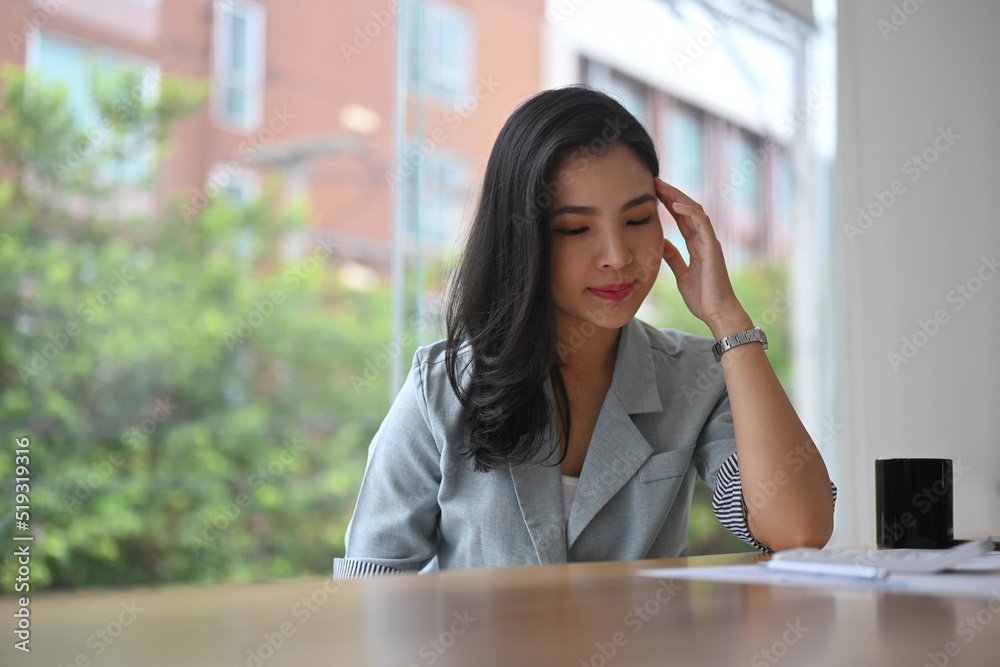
(776, 455)
(396, 516)
(780, 468)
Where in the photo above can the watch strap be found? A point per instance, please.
(755, 335)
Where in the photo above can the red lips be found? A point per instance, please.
(614, 291)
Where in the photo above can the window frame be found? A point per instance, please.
(104, 57)
(443, 210)
(249, 84)
(448, 87)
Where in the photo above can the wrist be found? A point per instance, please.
(730, 324)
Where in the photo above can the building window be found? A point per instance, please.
(74, 67)
(442, 207)
(239, 187)
(784, 189)
(446, 49)
(686, 150)
(745, 166)
(238, 87)
(633, 94)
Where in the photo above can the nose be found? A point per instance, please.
(614, 252)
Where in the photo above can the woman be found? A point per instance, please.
(554, 426)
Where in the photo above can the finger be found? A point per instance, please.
(699, 221)
(676, 194)
(687, 230)
(672, 256)
(673, 198)
(688, 221)
(686, 227)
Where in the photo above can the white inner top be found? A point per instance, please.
(569, 490)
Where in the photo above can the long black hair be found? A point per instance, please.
(500, 296)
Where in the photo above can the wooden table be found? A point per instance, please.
(597, 614)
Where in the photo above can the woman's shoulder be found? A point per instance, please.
(431, 358)
(432, 353)
(429, 363)
(684, 366)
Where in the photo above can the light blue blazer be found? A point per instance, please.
(666, 417)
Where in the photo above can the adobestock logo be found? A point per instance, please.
(900, 14)
(247, 150)
(31, 25)
(432, 650)
(962, 294)
(454, 116)
(915, 168)
(777, 650)
(93, 306)
(574, 340)
(105, 636)
(375, 365)
(100, 472)
(741, 174)
(636, 619)
(124, 106)
(707, 37)
(576, 161)
(363, 35)
(561, 10)
(264, 308)
(228, 512)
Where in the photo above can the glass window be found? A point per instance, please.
(784, 188)
(442, 208)
(447, 51)
(61, 62)
(745, 166)
(631, 93)
(72, 66)
(239, 70)
(240, 188)
(686, 166)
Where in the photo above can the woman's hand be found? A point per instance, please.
(705, 284)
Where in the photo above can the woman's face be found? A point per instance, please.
(607, 241)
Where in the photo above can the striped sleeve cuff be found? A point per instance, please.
(350, 568)
(730, 507)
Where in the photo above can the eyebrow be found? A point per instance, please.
(592, 210)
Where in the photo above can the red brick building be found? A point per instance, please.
(307, 88)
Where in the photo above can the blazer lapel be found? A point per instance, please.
(538, 486)
(617, 448)
(616, 452)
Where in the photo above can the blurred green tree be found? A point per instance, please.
(198, 407)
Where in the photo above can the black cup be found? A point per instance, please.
(914, 503)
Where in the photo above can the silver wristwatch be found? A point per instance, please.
(755, 335)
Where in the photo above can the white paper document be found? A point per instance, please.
(945, 584)
(963, 571)
(878, 563)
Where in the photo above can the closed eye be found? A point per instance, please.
(580, 230)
